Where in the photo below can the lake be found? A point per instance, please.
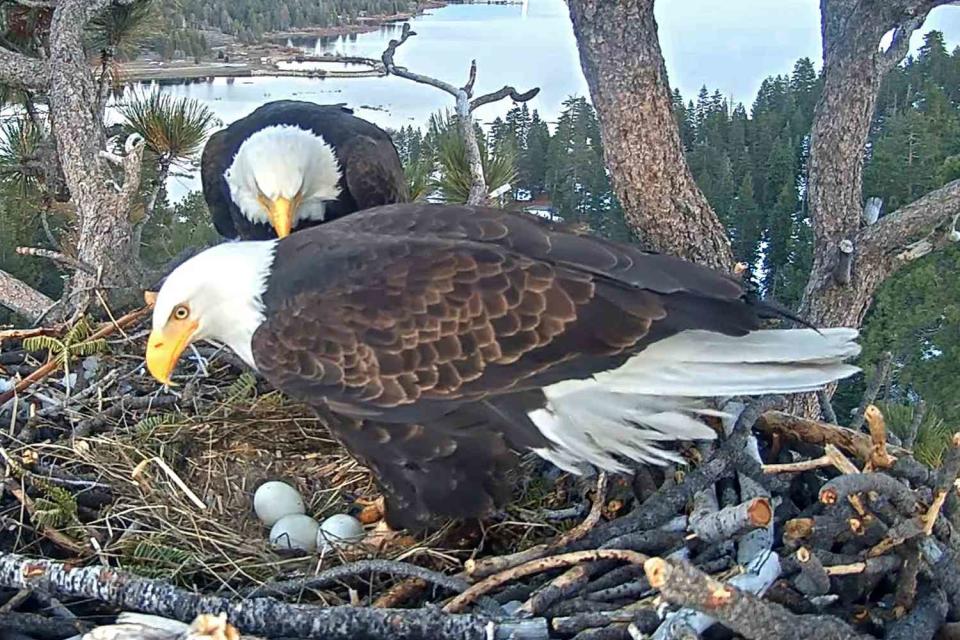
(731, 46)
(529, 45)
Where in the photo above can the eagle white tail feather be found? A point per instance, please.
(656, 396)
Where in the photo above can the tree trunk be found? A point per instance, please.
(105, 230)
(621, 59)
(854, 67)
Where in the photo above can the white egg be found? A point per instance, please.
(295, 531)
(339, 530)
(276, 499)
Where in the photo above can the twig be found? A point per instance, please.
(813, 579)
(946, 479)
(57, 257)
(49, 367)
(58, 538)
(538, 566)
(353, 569)
(903, 531)
(477, 569)
(880, 375)
(505, 92)
(820, 433)
(884, 564)
(160, 462)
(843, 486)
(832, 457)
(923, 621)
(826, 407)
(919, 411)
(906, 592)
(733, 521)
(88, 426)
(32, 625)
(879, 458)
(741, 612)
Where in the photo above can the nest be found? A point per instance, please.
(142, 498)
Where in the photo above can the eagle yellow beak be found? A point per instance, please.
(165, 346)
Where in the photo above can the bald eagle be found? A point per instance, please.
(439, 340)
(292, 164)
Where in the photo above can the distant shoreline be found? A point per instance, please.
(262, 58)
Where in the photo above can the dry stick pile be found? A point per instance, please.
(783, 528)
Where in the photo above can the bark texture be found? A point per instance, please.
(621, 59)
(106, 233)
(23, 299)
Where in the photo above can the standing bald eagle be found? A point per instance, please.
(293, 164)
(441, 338)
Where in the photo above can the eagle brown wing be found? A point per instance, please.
(421, 336)
(213, 163)
(372, 171)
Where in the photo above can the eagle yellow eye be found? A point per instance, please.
(181, 312)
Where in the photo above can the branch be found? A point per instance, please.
(506, 92)
(21, 298)
(880, 376)
(402, 72)
(359, 568)
(260, 616)
(22, 71)
(738, 610)
(933, 217)
(900, 45)
(56, 256)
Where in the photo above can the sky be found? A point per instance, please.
(732, 45)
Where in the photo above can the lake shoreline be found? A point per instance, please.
(262, 58)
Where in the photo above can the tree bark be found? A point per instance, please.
(621, 59)
(22, 299)
(20, 71)
(105, 230)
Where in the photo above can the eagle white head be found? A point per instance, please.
(283, 174)
(217, 295)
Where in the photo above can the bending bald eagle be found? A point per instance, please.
(293, 164)
(440, 339)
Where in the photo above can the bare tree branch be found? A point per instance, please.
(21, 71)
(56, 256)
(21, 298)
(403, 72)
(916, 229)
(478, 184)
(261, 616)
(506, 92)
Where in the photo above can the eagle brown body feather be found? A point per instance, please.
(424, 334)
